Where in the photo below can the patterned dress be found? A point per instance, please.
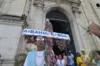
(49, 54)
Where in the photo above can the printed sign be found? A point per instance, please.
(46, 33)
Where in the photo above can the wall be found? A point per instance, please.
(9, 41)
(13, 7)
(87, 17)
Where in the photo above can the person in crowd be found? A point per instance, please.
(71, 53)
(60, 61)
(65, 58)
(57, 58)
(98, 57)
(79, 60)
(85, 57)
(71, 59)
(36, 57)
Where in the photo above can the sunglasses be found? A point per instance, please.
(38, 39)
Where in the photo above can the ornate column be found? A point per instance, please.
(75, 5)
(76, 12)
(39, 4)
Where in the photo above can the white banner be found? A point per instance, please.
(46, 33)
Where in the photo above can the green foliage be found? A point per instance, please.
(93, 55)
(20, 59)
(25, 25)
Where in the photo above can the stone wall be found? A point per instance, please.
(9, 41)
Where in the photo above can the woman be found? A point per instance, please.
(56, 58)
(60, 61)
(71, 61)
(98, 57)
(79, 60)
(65, 58)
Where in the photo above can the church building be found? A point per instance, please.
(71, 17)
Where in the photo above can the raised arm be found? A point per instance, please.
(95, 29)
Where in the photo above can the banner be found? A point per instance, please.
(46, 33)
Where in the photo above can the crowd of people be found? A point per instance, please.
(63, 60)
(39, 55)
(69, 59)
(81, 59)
(85, 59)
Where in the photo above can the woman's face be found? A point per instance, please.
(60, 57)
(56, 57)
(98, 56)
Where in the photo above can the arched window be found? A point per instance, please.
(56, 15)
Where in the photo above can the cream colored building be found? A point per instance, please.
(14, 14)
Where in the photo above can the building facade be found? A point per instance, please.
(16, 14)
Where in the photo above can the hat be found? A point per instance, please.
(82, 50)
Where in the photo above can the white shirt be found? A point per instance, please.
(60, 62)
(72, 55)
(65, 58)
(40, 58)
(71, 62)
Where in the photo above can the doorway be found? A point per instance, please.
(61, 24)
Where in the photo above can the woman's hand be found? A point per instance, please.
(95, 29)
